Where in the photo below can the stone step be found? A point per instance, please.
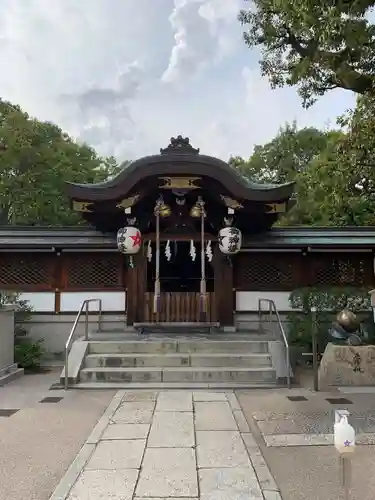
(178, 346)
(224, 386)
(177, 360)
(186, 374)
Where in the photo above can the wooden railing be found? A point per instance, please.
(178, 307)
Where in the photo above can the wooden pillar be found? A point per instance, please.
(57, 281)
(136, 288)
(141, 284)
(224, 295)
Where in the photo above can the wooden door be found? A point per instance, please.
(178, 307)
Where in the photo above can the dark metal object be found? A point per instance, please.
(7, 412)
(348, 321)
(51, 399)
(339, 401)
(346, 330)
(297, 398)
(314, 334)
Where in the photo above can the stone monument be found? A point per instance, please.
(8, 368)
(344, 365)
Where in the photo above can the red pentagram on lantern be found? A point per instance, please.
(136, 239)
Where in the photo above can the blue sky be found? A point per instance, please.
(126, 75)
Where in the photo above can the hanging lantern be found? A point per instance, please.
(230, 240)
(129, 240)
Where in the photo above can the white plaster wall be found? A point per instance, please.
(111, 301)
(44, 302)
(248, 301)
(41, 301)
(54, 329)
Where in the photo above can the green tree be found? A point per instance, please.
(338, 187)
(317, 45)
(334, 171)
(288, 154)
(36, 159)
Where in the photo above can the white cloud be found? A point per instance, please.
(126, 75)
(203, 31)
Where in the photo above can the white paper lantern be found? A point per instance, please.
(129, 240)
(230, 240)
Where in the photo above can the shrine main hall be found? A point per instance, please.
(177, 237)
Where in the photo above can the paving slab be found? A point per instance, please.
(134, 413)
(277, 415)
(105, 484)
(272, 495)
(117, 455)
(214, 416)
(175, 401)
(209, 396)
(199, 450)
(168, 472)
(172, 430)
(169, 498)
(221, 449)
(126, 431)
(229, 484)
(140, 396)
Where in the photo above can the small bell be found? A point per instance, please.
(195, 211)
(165, 210)
(162, 209)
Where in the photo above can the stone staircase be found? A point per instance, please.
(211, 360)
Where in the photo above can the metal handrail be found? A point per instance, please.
(272, 308)
(84, 306)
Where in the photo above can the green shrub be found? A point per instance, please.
(22, 312)
(28, 354)
(328, 302)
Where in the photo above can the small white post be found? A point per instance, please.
(344, 440)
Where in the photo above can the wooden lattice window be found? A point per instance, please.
(268, 271)
(351, 269)
(26, 271)
(94, 271)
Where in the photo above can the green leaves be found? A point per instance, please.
(285, 156)
(334, 171)
(315, 45)
(37, 161)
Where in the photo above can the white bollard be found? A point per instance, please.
(344, 441)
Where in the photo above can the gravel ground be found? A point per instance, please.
(310, 472)
(39, 442)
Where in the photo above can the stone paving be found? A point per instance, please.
(170, 444)
(304, 418)
(296, 441)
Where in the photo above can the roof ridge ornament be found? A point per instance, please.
(179, 145)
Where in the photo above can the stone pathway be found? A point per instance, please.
(170, 444)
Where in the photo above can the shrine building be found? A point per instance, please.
(177, 237)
